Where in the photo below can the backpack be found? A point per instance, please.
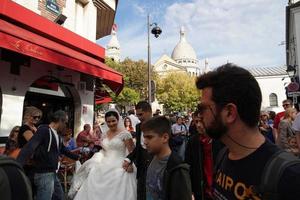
(272, 172)
(14, 183)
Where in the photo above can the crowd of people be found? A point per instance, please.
(226, 149)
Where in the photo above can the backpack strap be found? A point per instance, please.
(220, 157)
(11, 172)
(5, 185)
(272, 173)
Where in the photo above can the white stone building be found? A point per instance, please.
(183, 59)
(272, 82)
(54, 65)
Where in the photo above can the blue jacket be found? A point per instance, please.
(42, 148)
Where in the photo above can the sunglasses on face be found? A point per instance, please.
(36, 117)
(286, 105)
(139, 114)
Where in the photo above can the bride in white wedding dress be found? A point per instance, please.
(102, 176)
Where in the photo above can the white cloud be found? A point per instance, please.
(140, 9)
(245, 31)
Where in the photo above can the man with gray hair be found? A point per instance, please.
(45, 147)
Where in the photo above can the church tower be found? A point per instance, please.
(113, 47)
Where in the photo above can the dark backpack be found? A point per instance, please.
(272, 172)
(14, 185)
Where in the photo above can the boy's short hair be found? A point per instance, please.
(158, 125)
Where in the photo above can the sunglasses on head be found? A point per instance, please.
(36, 117)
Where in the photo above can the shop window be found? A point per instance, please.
(273, 99)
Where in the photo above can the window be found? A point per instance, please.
(273, 99)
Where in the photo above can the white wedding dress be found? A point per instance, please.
(102, 176)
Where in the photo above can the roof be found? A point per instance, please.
(183, 49)
(268, 71)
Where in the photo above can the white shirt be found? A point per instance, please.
(56, 137)
(176, 128)
(296, 123)
(142, 140)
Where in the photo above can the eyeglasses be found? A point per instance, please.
(36, 117)
(202, 107)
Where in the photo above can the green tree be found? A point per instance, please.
(177, 91)
(127, 97)
(135, 80)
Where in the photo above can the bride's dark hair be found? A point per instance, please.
(112, 114)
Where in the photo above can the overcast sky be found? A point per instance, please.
(246, 32)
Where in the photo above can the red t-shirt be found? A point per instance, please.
(82, 137)
(208, 163)
(277, 119)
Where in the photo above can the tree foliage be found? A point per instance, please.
(177, 91)
(135, 75)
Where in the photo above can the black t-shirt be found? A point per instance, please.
(236, 179)
(21, 139)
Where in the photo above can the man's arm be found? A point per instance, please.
(68, 153)
(30, 147)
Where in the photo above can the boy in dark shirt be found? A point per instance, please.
(167, 175)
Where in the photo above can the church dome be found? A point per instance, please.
(183, 49)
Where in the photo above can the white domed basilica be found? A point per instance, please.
(183, 59)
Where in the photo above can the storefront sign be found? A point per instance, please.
(293, 87)
(52, 5)
(84, 110)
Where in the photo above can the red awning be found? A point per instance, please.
(104, 100)
(25, 32)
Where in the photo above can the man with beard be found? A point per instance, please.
(200, 154)
(45, 147)
(139, 156)
(230, 106)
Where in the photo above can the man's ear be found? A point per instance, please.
(230, 113)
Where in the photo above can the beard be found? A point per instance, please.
(217, 128)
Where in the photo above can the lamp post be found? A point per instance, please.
(156, 31)
(291, 71)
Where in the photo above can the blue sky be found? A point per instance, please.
(247, 33)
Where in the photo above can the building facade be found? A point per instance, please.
(183, 59)
(272, 82)
(49, 59)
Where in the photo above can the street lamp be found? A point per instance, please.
(156, 31)
(291, 71)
